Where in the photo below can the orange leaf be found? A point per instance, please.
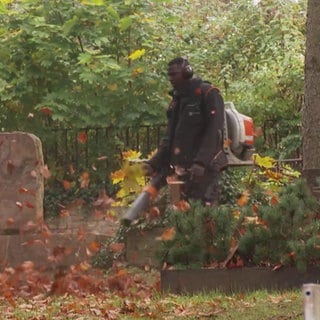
(274, 200)
(46, 111)
(182, 205)
(168, 234)
(255, 208)
(29, 205)
(243, 200)
(66, 184)
(10, 221)
(23, 190)
(64, 213)
(82, 137)
(227, 143)
(94, 246)
(154, 213)
(121, 272)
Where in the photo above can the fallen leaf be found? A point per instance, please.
(167, 235)
(94, 246)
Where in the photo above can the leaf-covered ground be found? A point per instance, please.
(85, 293)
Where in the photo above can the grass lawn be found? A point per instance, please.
(136, 296)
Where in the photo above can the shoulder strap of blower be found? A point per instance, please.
(205, 87)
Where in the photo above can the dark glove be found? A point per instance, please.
(196, 171)
(147, 169)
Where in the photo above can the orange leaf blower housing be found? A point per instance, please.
(238, 136)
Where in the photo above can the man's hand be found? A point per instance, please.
(196, 171)
(147, 169)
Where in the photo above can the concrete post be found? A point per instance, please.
(311, 301)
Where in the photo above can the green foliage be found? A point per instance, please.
(74, 59)
(278, 231)
(289, 232)
(203, 234)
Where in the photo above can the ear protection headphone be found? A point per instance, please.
(187, 71)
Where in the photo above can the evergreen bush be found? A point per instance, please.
(282, 231)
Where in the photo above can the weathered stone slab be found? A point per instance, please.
(236, 280)
(21, 181)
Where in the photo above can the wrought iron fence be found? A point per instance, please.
(90, 147)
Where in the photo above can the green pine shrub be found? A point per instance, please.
(288, 232)
(203, 234)
(283, 229)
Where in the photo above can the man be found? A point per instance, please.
(193, 144)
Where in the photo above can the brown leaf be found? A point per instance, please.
(28, 204)
(116, 247)
(103, 201)
(23, 190)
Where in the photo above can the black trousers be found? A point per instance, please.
(205, 188)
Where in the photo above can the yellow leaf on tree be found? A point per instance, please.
(117, 176)
(264, 162)
(92, 2)
(137, 54)
(131, 155)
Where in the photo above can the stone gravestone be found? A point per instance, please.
(21, 181)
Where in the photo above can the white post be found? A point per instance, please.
(311, 301)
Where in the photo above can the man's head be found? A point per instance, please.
(179, 72)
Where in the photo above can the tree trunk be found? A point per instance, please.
(311, 111)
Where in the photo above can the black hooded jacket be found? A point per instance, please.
(194, 129)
